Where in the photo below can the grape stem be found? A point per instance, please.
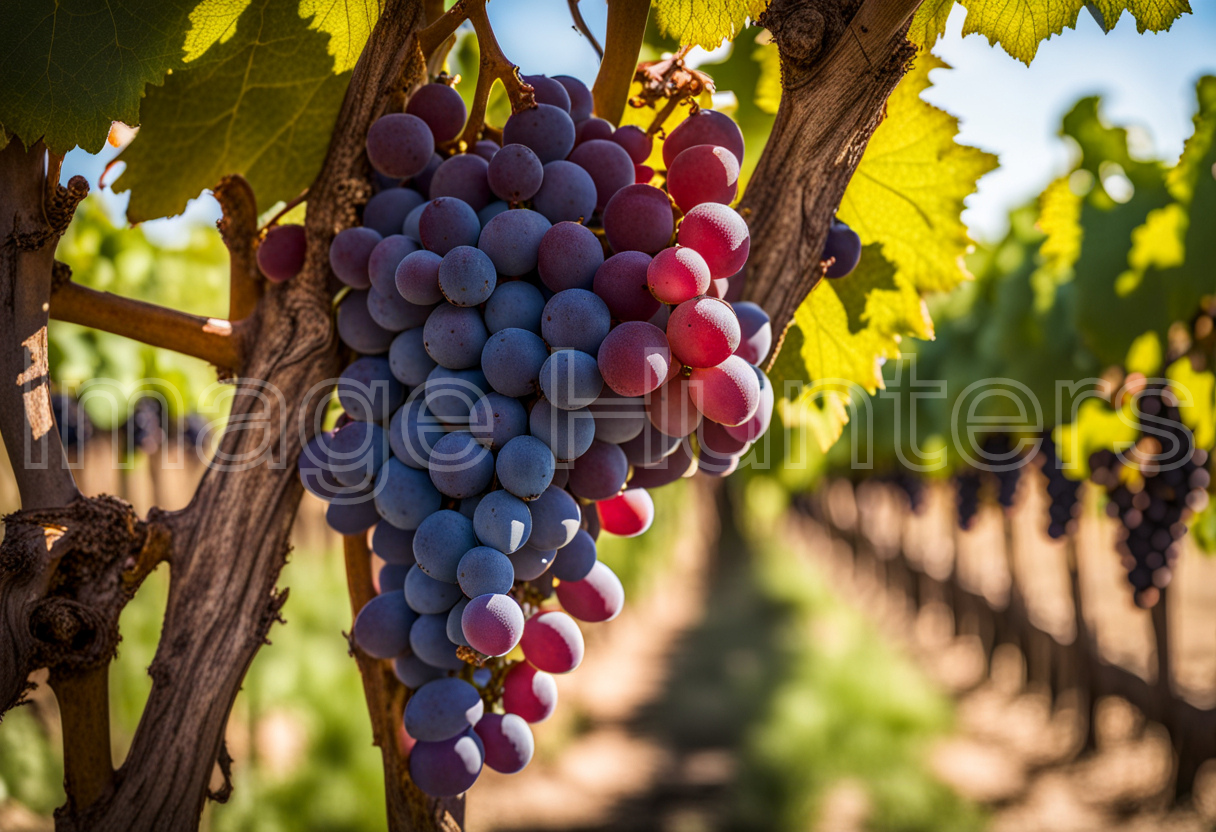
(239, 229)
(492, 66)
(622, 43)
(584, 29)
(286, 209)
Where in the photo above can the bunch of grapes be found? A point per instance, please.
(998, 449)
(913, 488)
(1063, 493)
(542, 337)
(75, 426)
(967, 483)
(1153, 489)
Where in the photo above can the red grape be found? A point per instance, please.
(621, 282)
(728, 394)
(703, 173)
(670, 409)
(705, 127)
(703, 332)
(281, 252)
(677, 274)
(639, 218)
(597, 597)
(635, 358)
(635, 141)
(629, 514)
(529, 693)
(718, 234)
(552, 642)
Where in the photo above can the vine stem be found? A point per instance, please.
(212, 339)
(584, 29)
(239, 229)
(493, 66)
(84, 708)
(622, 44)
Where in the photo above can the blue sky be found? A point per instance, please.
(1004, 107)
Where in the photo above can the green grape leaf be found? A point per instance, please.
(1144, 355)
(261, 102)
(71, 68)
(907, 193)
(1196, 403)
(1150, 15)
(929, 22)
(1019, 26)
(1096, 427)
(705, 23)
(1181, 180)
(1060, 221)
(768, 87)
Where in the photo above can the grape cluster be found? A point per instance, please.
(998, 449)
(967, 483)
(1153, 488)
(913, 488)
(75, 426)
(1063, 493)
(542, 337)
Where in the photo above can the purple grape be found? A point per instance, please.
(618, 418)
(404, 495)
(417, 278)
(600, 473)
(441, 709)
(525, 467)
(427, 596)
(569, 256)
(635, 142)
(408, 359)
(568, 433)
(555, 519)
(454, 336)
(382, 263)
(639, 218)
(568, 193)
(580, 97)
(530, 562)
(591, 129)
(351, 518)
(609, 166)
(422, 181)
(485, 571)
(529, 693)
(512, 360)
(409, 228)
(844, 245)
(466, 276)
(503, 521)
(496, 419)
(399, 145)
(448, 768)
(386, 211)
(546, 129)
(549, 91)
(349, 253)
(413, 672)
(575, 559)
(368, 391)
(451, 394)
(460, 466)
(512, 240)
(491, 211)
(575, 319)
(492, 624)
(394, 313)
(666, 471)
(391, 579)
(515, 304)
(382, 627)
(635, 358)
(552, 642)
(704, 127)
(622, 282)
(571, 379)
(757, 332)
(455, 632)
(463, 177)
(447, 222)
(441, 107)
(429, 641)
(508, 742)
(486, 148)
(393, 545)
(515, 173)
(413, 432)
(281, 252)
(440, 543)
(357, 451)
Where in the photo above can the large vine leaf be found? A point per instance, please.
(907, 193)
(705, 23)
(261, 101)
(70, 67)
(1019, 26)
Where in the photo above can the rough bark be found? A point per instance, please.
(839, 63)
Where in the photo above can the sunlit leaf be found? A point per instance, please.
(705, 23)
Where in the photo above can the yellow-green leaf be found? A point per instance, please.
(1097, 427)
(929, 22)
(1150, 15)
(768, 85)
(704, 23)
(1019, 26)
(70, 67)
(261, 102)
(907, 193)
(1144, 356)
(1060, 220)
(1196, 403)
(1181, 179)
(832, 353)
(348, 23)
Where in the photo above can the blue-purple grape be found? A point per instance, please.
(427, 596)
(386, 211)
(569, 256)
(568, 433)
(549, 91)
(460, 466)
(515, 173)
(382, 627)
(382, 263)
(429, 641)
(567, 193)
(417, 278)
(451, 394)
(441, 709)
(408, 359)
(517, 304)
(502, 521)
(413, 432)
(576, 319)
(492, 624)
(404, 495)
(575, 560)
(394, 313)
(349, 253)
(497, 419)
(571, 379)
(454, 336)
(545, 129)
(609, 166)
(443, 110)
(600, 473)
(467, 276)
(400, 145)
(441, 541)
(463, 177)
(485, 571)
(358, 330)
(368, 391)
(393, 545)
(581, 102)
(525, 467)
(555, 519)
(512, 360)
(447, 222)
(357, 450)
(512, 240)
